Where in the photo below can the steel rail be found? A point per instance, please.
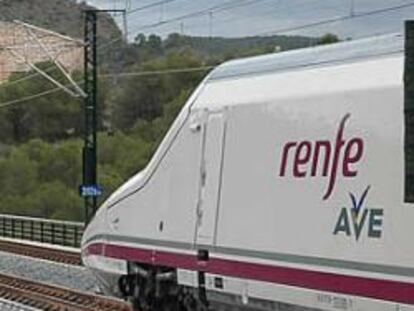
(60, 255)
(48, 297)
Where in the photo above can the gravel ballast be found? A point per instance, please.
(78, 278)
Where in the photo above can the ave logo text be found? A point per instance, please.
(359, 220)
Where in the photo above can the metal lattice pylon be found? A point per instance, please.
(29, 44)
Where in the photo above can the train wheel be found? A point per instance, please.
(151, 288)
(126, 285)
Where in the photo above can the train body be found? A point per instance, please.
(283, 179)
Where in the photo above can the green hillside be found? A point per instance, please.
(232, 47)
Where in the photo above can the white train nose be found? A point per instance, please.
(93, 236)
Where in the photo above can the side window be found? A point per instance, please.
(409, 111)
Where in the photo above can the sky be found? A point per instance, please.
(230, 18)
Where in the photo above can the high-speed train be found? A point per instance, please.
(286, 178)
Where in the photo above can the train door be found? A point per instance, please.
(210, 177)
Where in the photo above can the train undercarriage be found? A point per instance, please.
(151, 288)
(156, 288)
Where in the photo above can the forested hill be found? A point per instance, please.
(213, 50)
(63, 16)
(236, 47)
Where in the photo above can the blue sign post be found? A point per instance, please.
(87, 191)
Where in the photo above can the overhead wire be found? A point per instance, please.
(215, 13)
(223, 7)
(27, 77)
(280, 30)
(352, 15)
(149, 6)
(352, 7)
(122, 74)
(27, 98)
(52, 68)
(355, 15)
(145, 7)
(213, 9)
(267, 7)
(158, 72)
(14, 17)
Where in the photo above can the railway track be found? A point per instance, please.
(52, 298)
(37, 251)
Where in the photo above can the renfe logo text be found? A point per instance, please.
(323, 158)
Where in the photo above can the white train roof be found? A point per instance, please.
(314, 56)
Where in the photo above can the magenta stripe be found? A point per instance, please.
(397, 291)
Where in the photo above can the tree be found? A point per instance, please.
(55, 200)
(328, 39)
(18, 174)
(51, 117)
(148, 48)
(143, 97)
(127, 155)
